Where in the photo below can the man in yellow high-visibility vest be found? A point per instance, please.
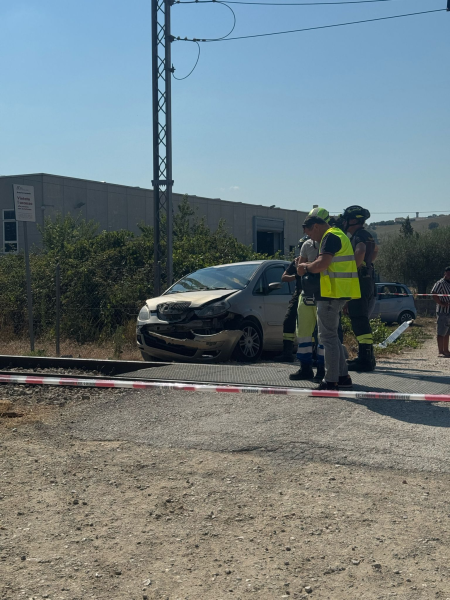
(338, 283)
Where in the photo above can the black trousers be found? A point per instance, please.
(358, 311)
(290, 318)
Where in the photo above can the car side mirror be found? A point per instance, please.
(275, 286)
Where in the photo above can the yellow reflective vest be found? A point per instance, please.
(340, 280)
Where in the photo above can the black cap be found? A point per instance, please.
(310, 221)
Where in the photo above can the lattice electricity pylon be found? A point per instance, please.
(162, 141)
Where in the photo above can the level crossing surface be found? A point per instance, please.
(389, 376)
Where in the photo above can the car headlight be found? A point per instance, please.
(213, 310)
(144, 314)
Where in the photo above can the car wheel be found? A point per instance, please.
(250, 344)
(406, 315)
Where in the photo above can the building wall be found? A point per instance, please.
(116, 207)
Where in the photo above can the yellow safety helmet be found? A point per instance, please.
(320, 212)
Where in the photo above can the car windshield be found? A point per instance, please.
(228, 277)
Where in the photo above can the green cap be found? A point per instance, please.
(320, 212)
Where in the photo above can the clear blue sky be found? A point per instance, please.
(352, 115)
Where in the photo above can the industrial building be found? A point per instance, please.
(115, 207)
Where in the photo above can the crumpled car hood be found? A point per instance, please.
(196, 299)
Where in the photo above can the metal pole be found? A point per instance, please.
(162, 139)
(169, 210)
(58, 315)
(155, 182)
(28, 276)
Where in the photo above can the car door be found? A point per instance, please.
(390, 302)
(275, 306)
(377, 306)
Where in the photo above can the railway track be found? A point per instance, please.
(52, 371)
(105, 367)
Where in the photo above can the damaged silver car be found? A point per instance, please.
(217, 313)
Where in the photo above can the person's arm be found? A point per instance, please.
(360, 252)
(322, 262)
(330, 245)
(375, 254)
(289, 274)
(300, 260)
(438, 300)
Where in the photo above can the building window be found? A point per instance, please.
(10, 233)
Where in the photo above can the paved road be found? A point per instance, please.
(393, 434)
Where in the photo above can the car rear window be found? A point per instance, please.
(391, 291)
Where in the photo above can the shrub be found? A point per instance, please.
(105, 276)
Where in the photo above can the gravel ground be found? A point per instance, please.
(112, 494)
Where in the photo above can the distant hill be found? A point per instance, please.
(420, 225)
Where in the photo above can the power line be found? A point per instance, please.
(234, 21)
(216, 40)
(258, 35)
(409, 212)
(284, 3)
(193, 68)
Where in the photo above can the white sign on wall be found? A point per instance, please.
(24, 202)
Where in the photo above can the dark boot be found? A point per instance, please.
(304, 373)
(345, 382)
(365, 361)
(286, 355)
(320, 373)
(326, 386)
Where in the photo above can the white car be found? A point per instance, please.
(234, 310)
(394, 302)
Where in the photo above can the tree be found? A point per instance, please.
(406, 230)
(413, 259)
(433, 225)
(61, 232)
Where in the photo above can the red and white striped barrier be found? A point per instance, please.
(413, 295)
(230, 389)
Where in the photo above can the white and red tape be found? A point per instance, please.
(230, 389)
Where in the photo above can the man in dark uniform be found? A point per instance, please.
(359, 311)
(290, 319)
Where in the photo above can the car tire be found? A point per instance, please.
(406, 315)
(250, 346)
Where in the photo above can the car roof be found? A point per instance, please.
(249, 262)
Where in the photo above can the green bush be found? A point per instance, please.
(105, 276)
(418, 259)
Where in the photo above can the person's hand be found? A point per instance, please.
(345, 309)
(301, 269)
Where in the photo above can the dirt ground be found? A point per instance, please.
(129, 521)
